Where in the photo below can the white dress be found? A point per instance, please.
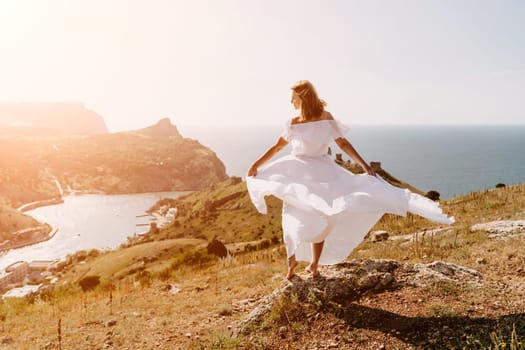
(324, 201)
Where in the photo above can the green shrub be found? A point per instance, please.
(193, 258)
(433, 195)
(93, 253)
(144, 278)
(249, 248)
(89, 283)
(217, 248)
(165, 274)
(285, 310)
(264, 244)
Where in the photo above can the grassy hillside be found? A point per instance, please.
(12, 220)
(175, 298)
(114, 265)
(224, 211)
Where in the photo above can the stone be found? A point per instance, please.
(379, 236)
(174, 288)
(350, 280)
(7, 340)
(425, 234)
(111, 323)
(481, 261)
(501, 228)
(438, 271)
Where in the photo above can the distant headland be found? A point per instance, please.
(49, 119)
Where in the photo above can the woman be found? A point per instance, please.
(324, 205)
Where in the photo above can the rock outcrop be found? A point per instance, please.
(163, 129)
(153, 159)
(348, 281)
(502, 228)
(356, 169)
(413, 237)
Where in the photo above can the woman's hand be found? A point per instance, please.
(280, 144)
(252, 171)
(350, 150)
(368, 169)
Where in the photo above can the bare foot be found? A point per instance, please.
(291, 270)
(313, 270)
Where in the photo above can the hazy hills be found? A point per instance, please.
(49, 119)
(156, 158)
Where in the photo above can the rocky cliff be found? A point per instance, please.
(356, 169)
(49, 119)
(163, 129)
(157, 158)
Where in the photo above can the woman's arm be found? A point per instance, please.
(279, 145)
(347, 147)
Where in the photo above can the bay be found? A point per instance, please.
(90, 221)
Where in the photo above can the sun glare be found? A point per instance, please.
(16, 18)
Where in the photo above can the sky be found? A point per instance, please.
(232, 62)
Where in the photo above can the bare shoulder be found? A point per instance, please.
(326, 116)
(295, 120)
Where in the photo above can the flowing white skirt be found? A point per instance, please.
(323, 201)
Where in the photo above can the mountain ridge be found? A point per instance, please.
(49, 118)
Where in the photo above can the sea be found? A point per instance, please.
(452, 160)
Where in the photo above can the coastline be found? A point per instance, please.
(38, 234)
(43, 203)
(52, 201)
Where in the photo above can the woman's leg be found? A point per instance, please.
(292, 264)
(317, 249)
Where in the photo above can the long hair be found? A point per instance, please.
(311, 105)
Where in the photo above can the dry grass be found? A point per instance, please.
(12, 220)
(139, 311)
(456, 245)
(115, 264)
(146, 316)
